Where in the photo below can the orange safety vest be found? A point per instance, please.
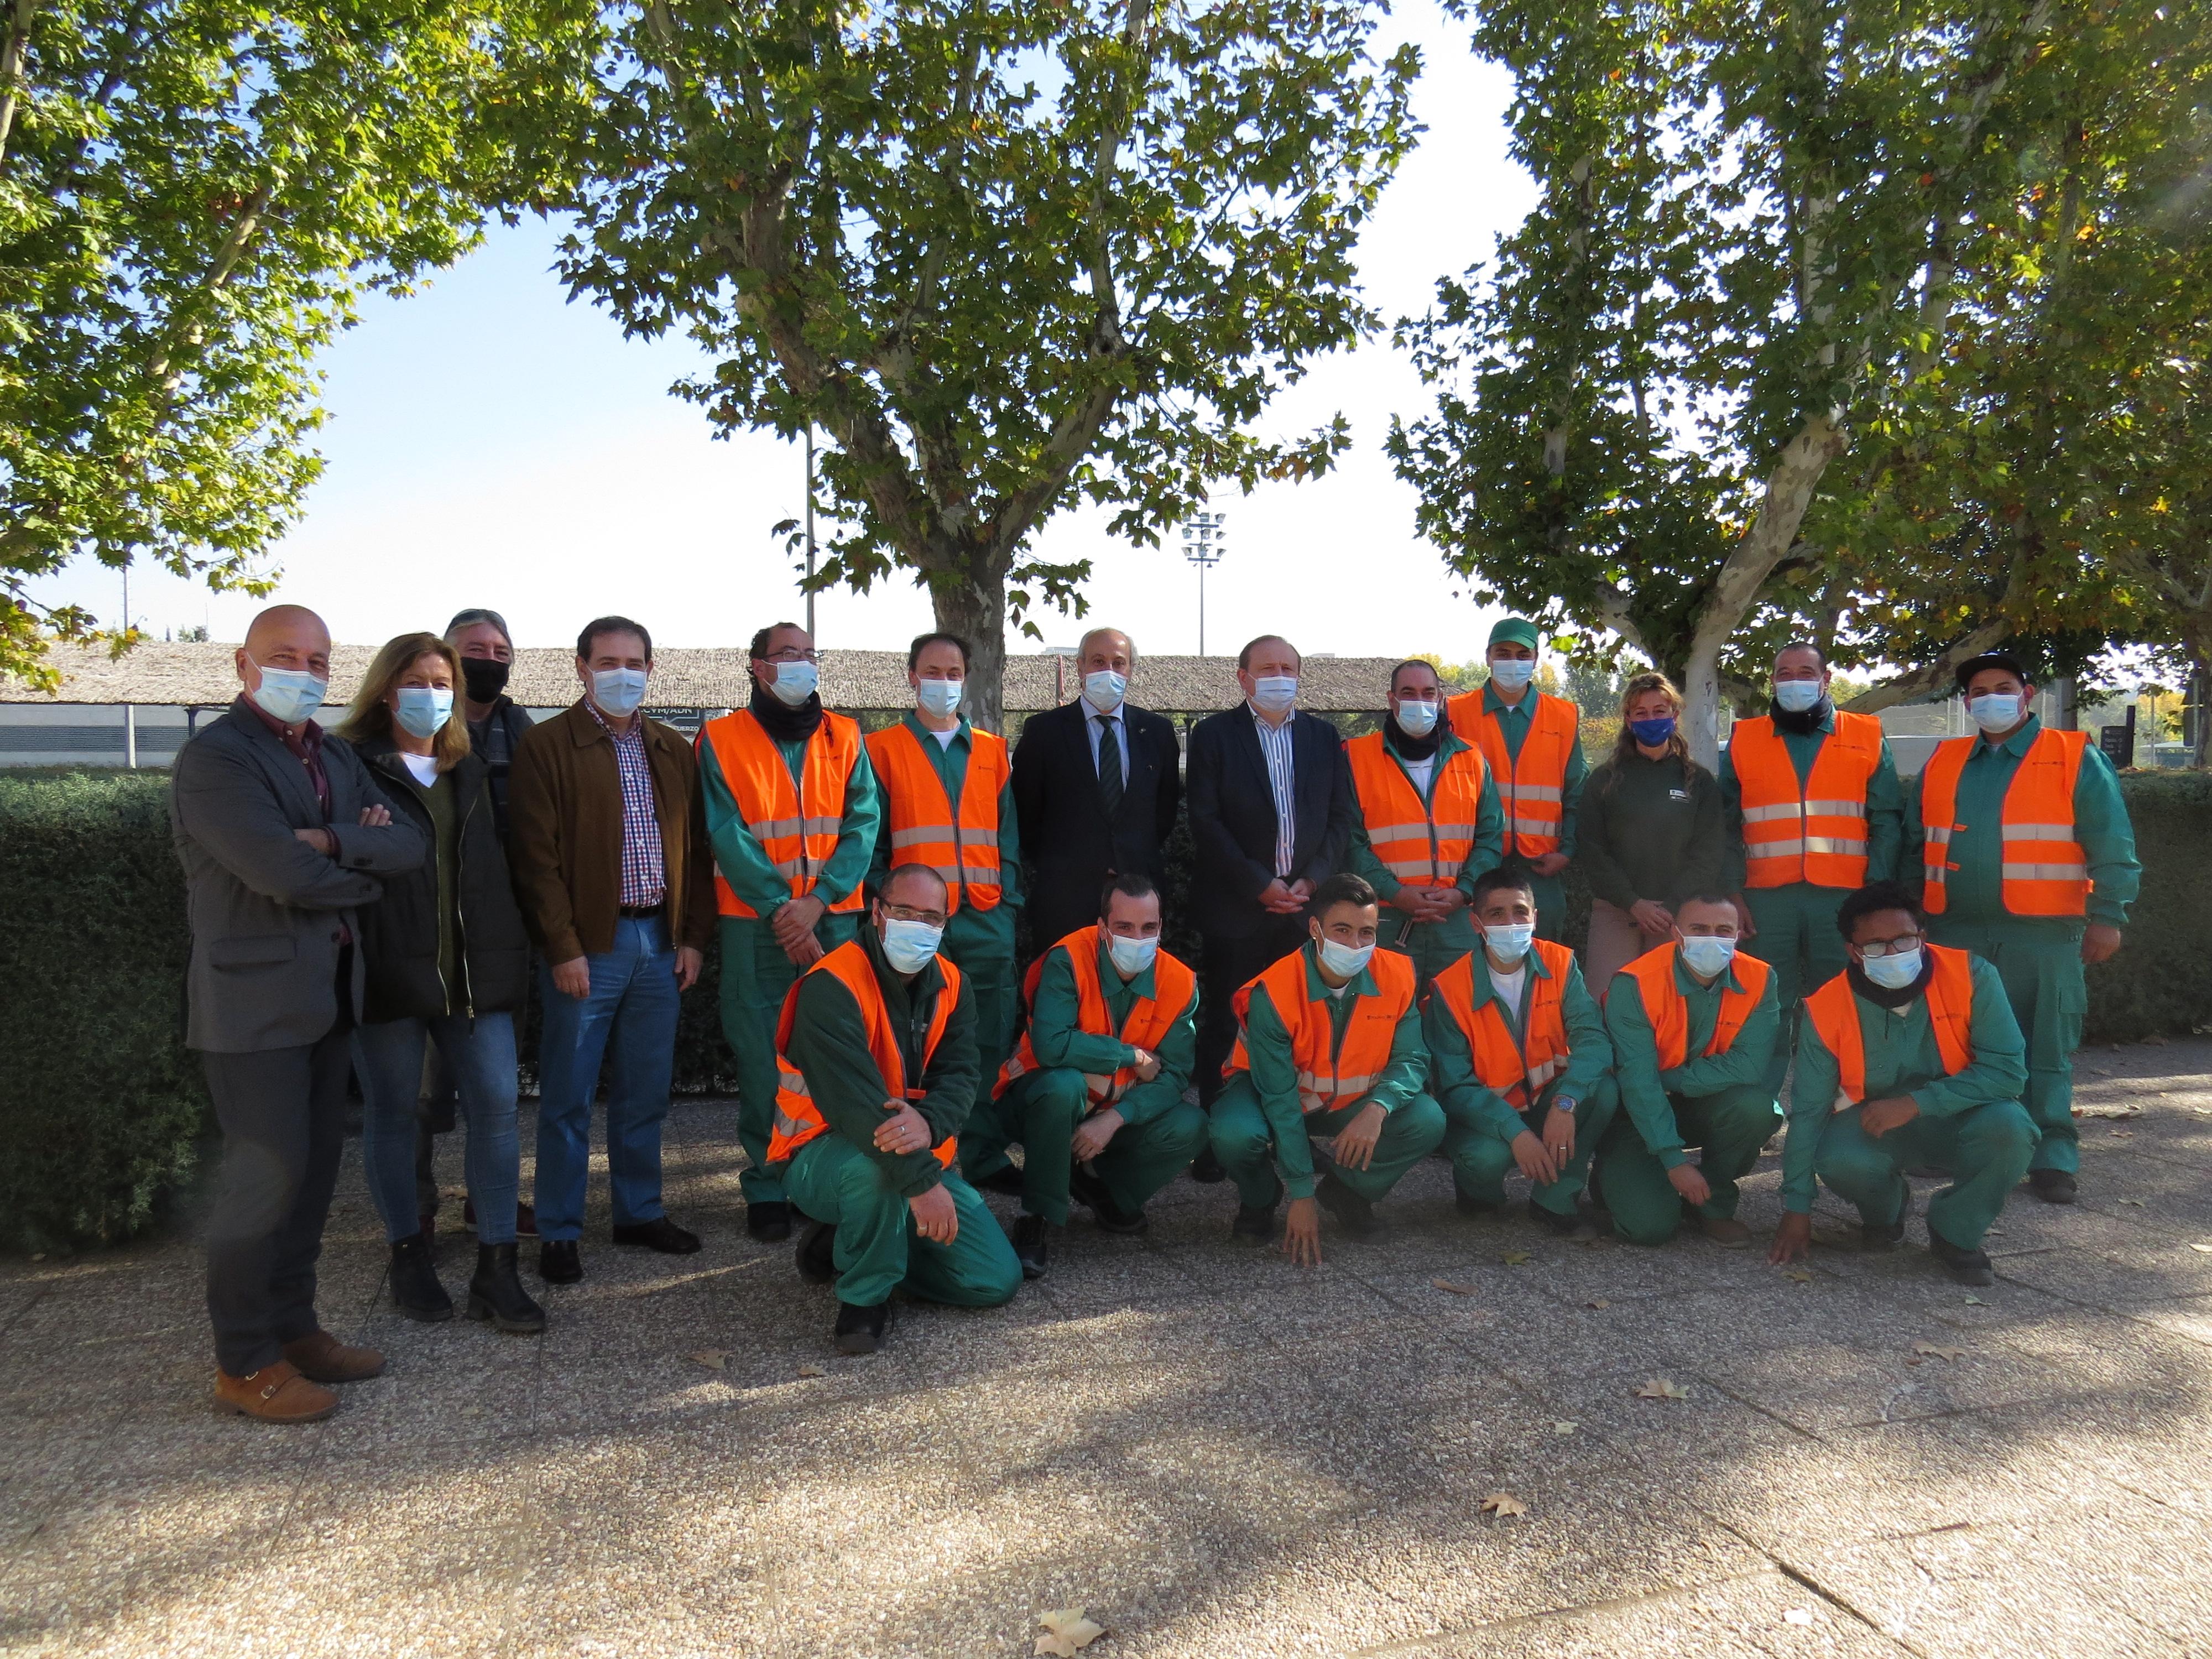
(798, 1119)
(1533, 786)
(1518, 1070)
(798, 830)
(1834, 1011)
(2045, 871)
(961, 846)
(1423, 843)
(1668, 1010)
(1328, 1082)
(1818, 835)
(1149, 1020)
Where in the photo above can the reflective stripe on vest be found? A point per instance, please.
(2044, 871)
(1329, 1082)
(962, 847)
(798, 1119)
(796, 828)
(1149, 1018)
(1532, 788)
(1818, 835)
(1668, 1010)
(1834, 1011)
(1518, 1070)
(1423, 844)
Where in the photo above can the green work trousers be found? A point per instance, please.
(1244, 1141)
(756, 973)
(1797, 939)
(1731, 1126)
(1433, 946)
(2040, 963)
(877, 1250)
(981, 943)
(1480, 1159)
(1042, 1111)
(1987, 1148)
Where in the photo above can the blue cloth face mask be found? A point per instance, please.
(423, 710)
(1894, 971)
(933, 696)
(1512, 673)
(1344, 960)
(1417, 719)
(794, 682)
(1274, 693)
(1104, 689)
(1997, 712)
(1652, 733)
(908, 945)
(1796, 697)
(618, 692)
(1707, 956)
(1133, 956)
(289, 695)
(1509, 941)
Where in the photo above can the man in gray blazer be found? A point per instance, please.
(283, 835)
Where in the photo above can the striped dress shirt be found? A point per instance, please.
(1276, 749)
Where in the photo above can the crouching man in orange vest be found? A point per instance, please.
(1328, 1043)
(1909, 1056)
(1094, 1089)
(877, 1071)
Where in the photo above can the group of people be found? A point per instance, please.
(1380, 975)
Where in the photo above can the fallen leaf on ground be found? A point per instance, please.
(2156, 1040)
(811, 1371)
(1565, 1428)
(1450, 1289)
(1504, 1504)
(1598, 1302)
(2130, 1110)
(1515, 1258)
(714, 1359)
(1976, 1301)
(1800, 1275)
(1797, 1616)
(1660, 1387)
(1065, 1631)
(1937, 1350)
(2137, 1203)
(2207, 1248)
(2122, 1135)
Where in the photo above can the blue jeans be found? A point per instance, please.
(630, 1010)
(479, 1057)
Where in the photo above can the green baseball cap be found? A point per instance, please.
(1517, 630)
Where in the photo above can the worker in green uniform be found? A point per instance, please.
(1814, 811)
(1693, 1024)
(792, 845)
(2029, 861)
(1328, 1047)
(1522, 1066)
(1911, 1056)
(877, 1075)
(1428, 823)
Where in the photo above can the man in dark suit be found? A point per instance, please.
(1272, 813)
(1095, 789)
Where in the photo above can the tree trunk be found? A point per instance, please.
(1701, 705)
(973, 604)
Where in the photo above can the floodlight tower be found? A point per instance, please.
(1205, 539)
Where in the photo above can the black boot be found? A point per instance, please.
(414, 1286)
(559, 1261)
(496, 1294)
(1877, 1239)
(1354, 1213)
(2053, 1186)
(1005, 1179)
(1966, 1267)
(817, 1252)
(860, 1330)
(1254, 1223)
(1205, 1169)
(1031, 1246)
(768, 1221)
(1091, 1192)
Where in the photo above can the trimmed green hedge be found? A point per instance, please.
(101, 1107)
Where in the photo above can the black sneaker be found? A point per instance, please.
(1030, 1244)
(1964, 1266)
(1205, 1169)
(1091, 1192)
(817, 1259)
(1561, 1226)
(1006, 1179)
(1354, 1213)
(558, 1261)
(1876, 1240)
(659, 1234)
(2053, 1186)
(768, 1221)
(1467, 1204)
(1254, 1223)
(860, 1330)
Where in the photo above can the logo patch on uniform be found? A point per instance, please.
(1677, 794)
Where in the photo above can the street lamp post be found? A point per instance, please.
(1205, 539)
(810, 531)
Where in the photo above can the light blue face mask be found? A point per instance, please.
(1512, 673)
(1344, 960)
(1417, 719)
(794, 682)
(932, 696)
(1509, 941)
(1796, 697)
(1706, 956)
(1997, 712)
(1274, 693)
(1894, 971)
(423, 710)
(1104, 689)
(619, 691)
(908, 945)
(289, 695)
(1133, 956)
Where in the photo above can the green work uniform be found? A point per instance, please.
(980, 942)
(756, 972)
(1971, 1122)
(1433, 946)
(1480, 1125)
(2039, 957)
(1160, 1131)
(1549, 891)
(1263, 1135)
(1722, 1102)
(1796, 921)
(842, 1178)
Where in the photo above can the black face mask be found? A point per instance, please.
(484, 677)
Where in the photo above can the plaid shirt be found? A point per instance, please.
(644, 879)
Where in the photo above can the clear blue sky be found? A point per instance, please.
(490, 443)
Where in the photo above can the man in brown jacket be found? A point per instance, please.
(609, 849)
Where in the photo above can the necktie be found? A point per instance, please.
(1109, 765)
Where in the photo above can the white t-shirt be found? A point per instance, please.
(1420, 772)
(1508, 985)
(424, 767)
(944, 739)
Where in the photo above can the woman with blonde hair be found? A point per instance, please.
(1651, 831)
(447, 961)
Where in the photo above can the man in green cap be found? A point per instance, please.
(1532, 744)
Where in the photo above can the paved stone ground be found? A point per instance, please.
(1215, 1453)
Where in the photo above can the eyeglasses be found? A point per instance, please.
(1903, 944)
(907, 913)
(792, 653)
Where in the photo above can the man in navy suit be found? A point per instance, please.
(1272, 813)
(1095, 789)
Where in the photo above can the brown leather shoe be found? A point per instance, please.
(1724, 1231)
(322, 1357)
(275, 1393)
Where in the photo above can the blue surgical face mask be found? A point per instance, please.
(794, 682)
(1509, 941)
(933, 696)
(1417, 719)
(1344, 960)
(1104, 689)
(1274, 693)
(1796, 697)
(1652, 733)
(1133, 956)
(1999, 711)
(1511, 673)
(908, 945)
(1706, 956)
(423, 710)
(619, 691)
(1895, 971)
(289, 695)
